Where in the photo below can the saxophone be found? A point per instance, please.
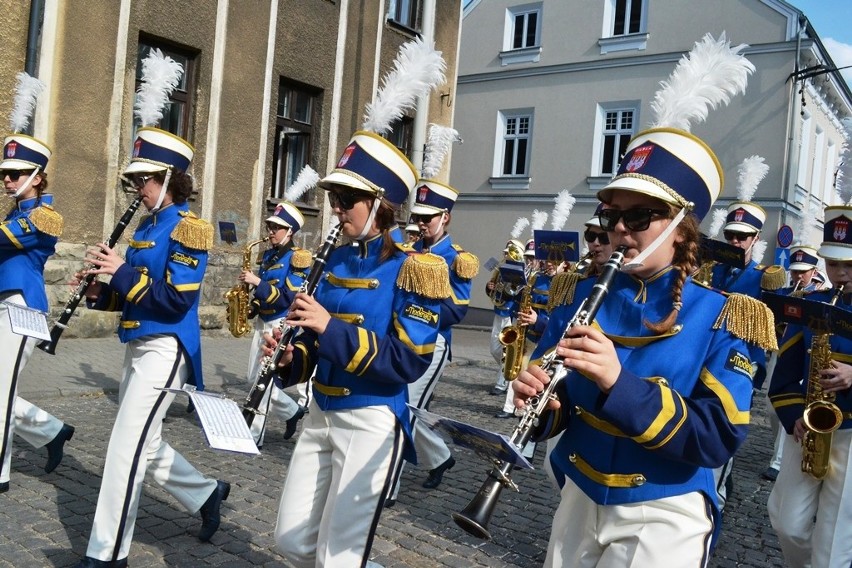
(238, 300)
(513, 338)
(822, 416)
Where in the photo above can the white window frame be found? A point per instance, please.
(600, 131)
(636, 41)
(819, 154)
(527, 53)
(804, 151)
(499, 180)
(828, 183)
(414, 11)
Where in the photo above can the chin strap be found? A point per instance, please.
(27, 183)
(163, 189)
(636, 263)
(375, 209)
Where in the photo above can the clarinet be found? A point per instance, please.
(474, 518)
(80, 293)
(268, 364)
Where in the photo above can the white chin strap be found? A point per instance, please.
(27, 183)
(163, 189)
(636, 263)
(369, 224)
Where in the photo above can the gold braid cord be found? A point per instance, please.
(749, 319)
(562, 290)
(466, 265)
(46, 220)
(426, 275)
(301, 258)
(774, 278)
(193, 232)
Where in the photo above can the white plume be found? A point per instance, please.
(720, 215)
(843, 179)
(750, 173)
(160, 76)
(707, 76)
(758, 251)
(438, 143)
(521, 224)
(416, 70)
(539, 219)
(801, 226)
(564, 203)
(306, 179)
(26, 93)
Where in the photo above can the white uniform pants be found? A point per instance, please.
(672, 532)
(497, 348)
(340, 471)
(275, 402)
(136, 444)
(431, 449)
(34, 425)
(797, 497)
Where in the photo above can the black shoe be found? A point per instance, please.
(89, 562)
(497, 390)
(389, 503)
(210, 516)
(4, 487)
(770, 474)
(437, 474)
(293, 422)
(55, 447)
(504, 414)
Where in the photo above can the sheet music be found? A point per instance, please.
(222, 421)
(28, 321)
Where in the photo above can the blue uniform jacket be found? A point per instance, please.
(279, 282)
(540, 283)
(680, 406)
(158, 288)
(454, 308)
(380, 337)
(25, 247)
(789, 382)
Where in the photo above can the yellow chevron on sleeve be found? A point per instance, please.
(424, 349)
(734, 414)
(664, 416)
(138, 291)
(365, 353)
(11, 237)
(790, 342)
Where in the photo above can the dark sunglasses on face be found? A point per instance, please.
(423, 218)
(592, 236)
(135, 182)
(343, 200)
(637, 219)
(731, 235)
(274, 227)
(15, 175)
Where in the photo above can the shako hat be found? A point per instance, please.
(433, 197)
(803, 257)
(837, 233)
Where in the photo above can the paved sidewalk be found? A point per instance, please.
(45, 518)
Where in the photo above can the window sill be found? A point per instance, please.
(631, 42)
(518, 182)
(523, 55)
(597, 183)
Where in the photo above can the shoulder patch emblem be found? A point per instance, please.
(739, 363)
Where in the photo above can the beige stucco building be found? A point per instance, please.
(270, 85)
(550, 91)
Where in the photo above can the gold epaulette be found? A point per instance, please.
(749, 319)
(425, 274)
(704, 274)
(193, 232)
(466, 265)
(47, 220)
(405, 247)
(301, 258)
(774, 278)
(562, 289)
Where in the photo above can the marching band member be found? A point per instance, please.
(504, 297)
(281, 274)
(642, 430)
(810, 515)
(412, 232)
(370, 329)
(28, 237)
(431, 210)
(599, 246)
(157, 289)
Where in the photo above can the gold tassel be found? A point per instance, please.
(426, 275)
(301, 258)
(47, 220)
(774, 278)
(193, 232)
(562, 290)
(704, 274)
(466, 265)
(749, 319)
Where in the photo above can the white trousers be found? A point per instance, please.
(340, 471)
(778, 433)
(136, 444)
(673, 532)
(431, 449)
(275, 402)
(797, 498)
(36, 426)
(496, 347)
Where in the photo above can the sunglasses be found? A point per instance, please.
(731, 235)
(592, 236)
(344, 200)
(423, 218)
(135, 182)
(15, 175)
(638, 219)
(274, 227)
